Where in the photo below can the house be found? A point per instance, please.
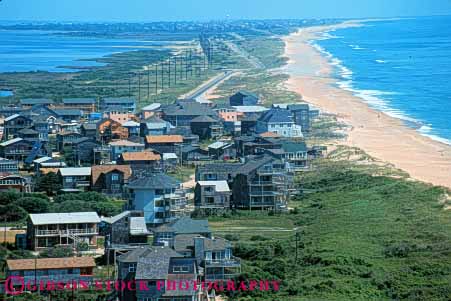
(206, 127)
(16, 149)
(296, 154)
(154, 126)
(256, 144)
(188, 137)
(75, 178)
(215, 256)
(250, 110)
(66, 139)
(124, 146)
(301, 115)
(50, 270)
(121, 116)
(146, 159)
(10, 181)
(69, 115)
(183, 112)
(217, 172)
(108, 130)
(158, 195)
(194, 154)
(220, 150)
(127, 228)
(212, 195)
(154, 266)
(278, 121)
(261, 183)
(110, 179)
(47, 230)
(164, 143)
(249, 124)
(9, 110)
(89, 129)
(170, 161)
(29, 134)
(133, 128)
(86, 105)
(84, 149)
(243, 98)
(27, 103)
(165, 235)
(13, 124)
(46, 163)
(150, 110)
(119, 103)
(8, 166)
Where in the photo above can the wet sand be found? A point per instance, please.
(378, 134)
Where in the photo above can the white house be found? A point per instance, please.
(278, 121)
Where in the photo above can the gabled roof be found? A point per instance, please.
(113, 219)
(294, 146)
(168, 156)
(43, 159)
(276, 115)
(36, 101)
(89, 101)
(14, 116)
(138, 226)
(188, 108)
(152, 107)
(220, 186)
(154, 263)
(247, 94)
(140, 156)
(64, 218)
(50, 263)
(11, 141)
(203, 118)
(118, 100)
(130, 124)
(98, 170)
(250, 109)
(75, 171)
(186, 225)
(164, 139)
(154, 181)
(126, 143)
(218, 145)
(254, 164)
(68, 112)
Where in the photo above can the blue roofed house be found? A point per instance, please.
(243, 98)
(279, 121)
(75, 178)
(154, 126)
(119, 103)
(29, 102)
(158, 195)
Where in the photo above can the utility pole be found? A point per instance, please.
(148, 83)
(156, 79)
(169, 71)
(296, 238)
(129, 85)
(139, 87)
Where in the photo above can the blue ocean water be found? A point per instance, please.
(401, 67)
(32, 50)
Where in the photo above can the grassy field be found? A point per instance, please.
(361, 237)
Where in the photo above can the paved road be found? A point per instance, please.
(255, 62)
(202, 89)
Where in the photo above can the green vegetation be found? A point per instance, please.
(362, 236)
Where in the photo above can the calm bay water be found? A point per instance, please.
(31, 50)
(401, 67)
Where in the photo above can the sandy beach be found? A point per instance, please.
(380, 135)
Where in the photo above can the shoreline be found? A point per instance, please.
(382, 136)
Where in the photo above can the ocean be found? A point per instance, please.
(401, 67)
(33, 50)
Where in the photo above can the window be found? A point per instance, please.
(69, 180)
(114, 177)
(132, 268)
(180, 269)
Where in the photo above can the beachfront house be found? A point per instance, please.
(47, 230)
(75, 178)
(212, 196)
(279, 121)
(243, 98)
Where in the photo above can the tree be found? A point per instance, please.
(13, 212)
(72, 206)
(9, 197)
(33, 204)
(48, 183)
(57, 252)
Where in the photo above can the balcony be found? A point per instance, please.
(66, 232)
(232, 262)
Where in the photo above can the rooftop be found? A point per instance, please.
(140, 156)
(154, 181)
(164, 139)
(50, 263)
(11, 141)
(64, 218)
(118, 100)
(36, 101)
(186, 225)
(152, 107)
(98, 170)
(250, 109)
(75, 171)
(220, 186)
(276, 116)
(126, 143)
(89, 101)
